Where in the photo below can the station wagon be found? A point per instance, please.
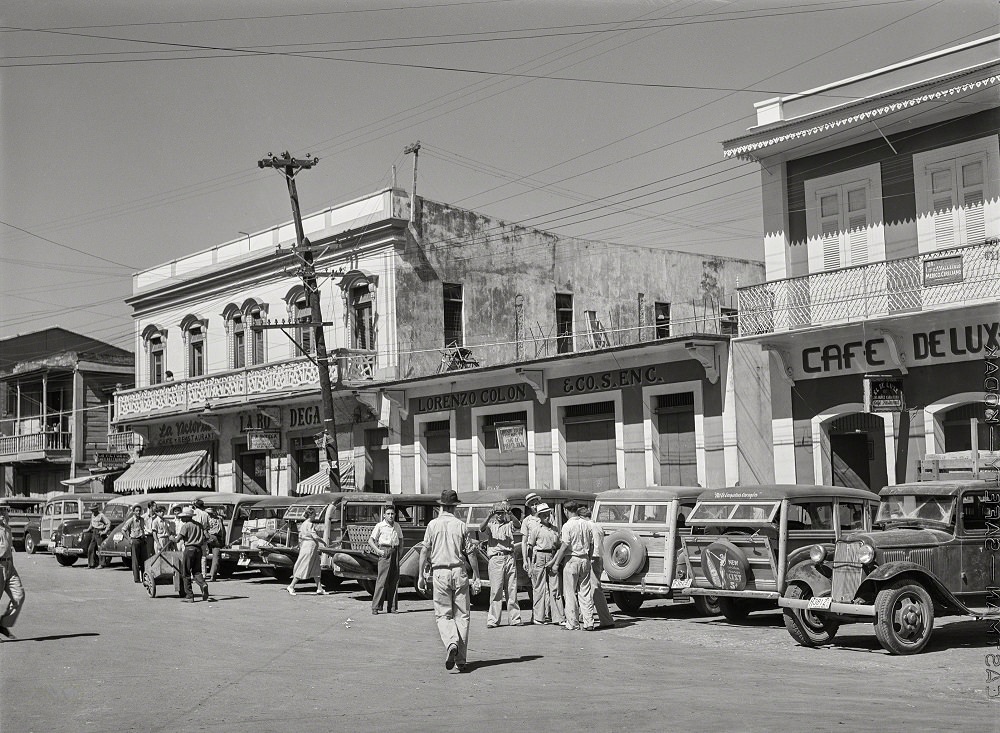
(752, 534)
(260, 522)
(21, 511)
(278, 554)
(57, 510)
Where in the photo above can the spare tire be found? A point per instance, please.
(624, 554)
(725, 565)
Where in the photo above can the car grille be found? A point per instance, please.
(847, 571)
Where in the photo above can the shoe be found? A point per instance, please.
(204, 593)
(321, 592)
(590, 628)
(210, 579)
(491, 626)
(608, 626)
(449, 661)
(7, 632)
(520, 624)
(375, 612)
(291, 591)
(189, 600)
(567, 627)
(393, 610)
(461, 667)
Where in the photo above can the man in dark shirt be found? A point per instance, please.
(193, 536)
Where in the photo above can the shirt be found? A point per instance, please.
(499, 537)
(543, 537)
(6, 543)
(160, 527)
(192, 533)
(134, 527)
(201, 517)
(526, 524)
(577, 537)
(446, 540)
(597, 535)
(386, 534)
(100, 522)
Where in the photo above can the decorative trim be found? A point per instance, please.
(892, 341)
(706, 353)
(536, 379)
(782, 360)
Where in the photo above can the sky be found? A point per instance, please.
(130, 131)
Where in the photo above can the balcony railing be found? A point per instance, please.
(265, 381)
(34, 443)
(958, 276)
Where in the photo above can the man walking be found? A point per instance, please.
(136, 529)
(193, 535)
(499, 528)
(604, 616)
(386, 541)
(10, 581)
(445, 553)
(201, 517)
(543, 542)
(577, 543)
(99, 527)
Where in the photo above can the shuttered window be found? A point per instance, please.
(591, 463)
(505, 450)
(437, 448)
(678, 456)
(844, 219)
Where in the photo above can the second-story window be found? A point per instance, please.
(196, 351)
(729, 324)
(661, 312)
(564, 323)
(363, 318)
(844, 219)
(256, 346)
(238, 334)
(304, 335)
(454, 333)
(155, 343)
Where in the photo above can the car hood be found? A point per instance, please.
(903, 537)
(74, 526)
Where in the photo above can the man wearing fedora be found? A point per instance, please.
(193, 536)
(543, 542)
(446, 554)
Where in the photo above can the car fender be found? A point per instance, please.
(409, 566)
(802, 553)
(809, 574)
(883, 574)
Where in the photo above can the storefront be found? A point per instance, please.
(177, 455)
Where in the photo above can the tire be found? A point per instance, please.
(707, 605)
(627, 602)
(30, 544)
(369, 586)
(66, 560)
(624, 554)
(150, 584)
(904, 617)
(282, 574)
(735, 610)
(808, 629)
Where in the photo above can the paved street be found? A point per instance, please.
(95, 653)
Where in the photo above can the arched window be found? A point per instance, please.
(236, 336)
(195, 331)
(255, 309)
(300, 312)
(359, 291)
(155, 346)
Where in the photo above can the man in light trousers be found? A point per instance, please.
(604, 616)
(445, 552)
(499, 528)
(577, 544)
(543, 542)
(10, 581)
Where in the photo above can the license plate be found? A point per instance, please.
(679, 583)
(243, 561)
(819, 604)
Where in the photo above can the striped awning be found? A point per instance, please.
(167, 467)
(319, 482)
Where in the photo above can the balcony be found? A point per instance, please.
(952, 277)
(52, 446)
(260, 383)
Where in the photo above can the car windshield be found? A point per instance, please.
(908, 508)
(714, 512)
(116, 512)
(613, 513)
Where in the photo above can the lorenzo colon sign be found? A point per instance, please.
(938, 344)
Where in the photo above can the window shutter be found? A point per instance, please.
(942, 183)
(973, 199)
(831, 245)
(857, 226)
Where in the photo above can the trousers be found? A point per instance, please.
(451, 608)
(546, 595)
(503, 586)
(138, 557)
(11, 585)
(386, 582)
(600, 602)
(93, 542)
(577, 592)
(192, 570)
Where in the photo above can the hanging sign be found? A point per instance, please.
(263, 439)
(512, 438)
(884, 394)
(943, 271)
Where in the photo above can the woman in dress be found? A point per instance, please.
(307, 563)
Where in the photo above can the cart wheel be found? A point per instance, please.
(147, 580)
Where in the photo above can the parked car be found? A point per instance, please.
(21, 511)
(116, 544)
(752, 534)
(642, 545)
(233, 509)
(476, 506)
(359, 513)
(260, 522)
(927, 556)
(57, 510)
(278, 554)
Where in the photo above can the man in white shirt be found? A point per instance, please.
(578, 544)
(387, 542)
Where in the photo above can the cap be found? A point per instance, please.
(532, 497)
(449, 497)
(543, 508)
(187, 512)
(501, 506)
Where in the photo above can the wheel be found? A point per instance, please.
(807, 628)
(625, 554)
(30, 544)
(147, 580)
(707, 605)
(627, 602)
(369, 586)
(904, 617)
(734, 609)
(66, 560)
(104, 562)
(283, 574)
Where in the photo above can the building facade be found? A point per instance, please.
(56, 390)
(441, 301)
(882, 299)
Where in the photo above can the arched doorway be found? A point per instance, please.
(857, 451)
(958, 425)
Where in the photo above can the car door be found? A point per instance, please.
(50, 519)
(971, 537)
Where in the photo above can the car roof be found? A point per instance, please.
(650, 493)
(83, 497)
(776, 492)
(491, 496)
(390, 499)
(231, 498)
(951, 487)
(174, 496)
(267, 502)
(22, 500)
(327, 497)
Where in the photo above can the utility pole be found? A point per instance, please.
(290, 167)
(415, 149)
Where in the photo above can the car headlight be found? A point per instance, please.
(866, 553)
(817, 553)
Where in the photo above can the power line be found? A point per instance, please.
(66, 246)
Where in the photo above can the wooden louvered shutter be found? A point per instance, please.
(857, 226)
(943, 205)
(973, 201)
(829, 212)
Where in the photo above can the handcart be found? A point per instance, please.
(167, 564)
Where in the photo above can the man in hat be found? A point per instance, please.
(543, 542)
(444, 556)
(10, 581)
(499, 528)
(531, 502)
(136, 530)
(193, 536)
(577, 546)
(604, 616)
(98, 529)
(201, 517)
